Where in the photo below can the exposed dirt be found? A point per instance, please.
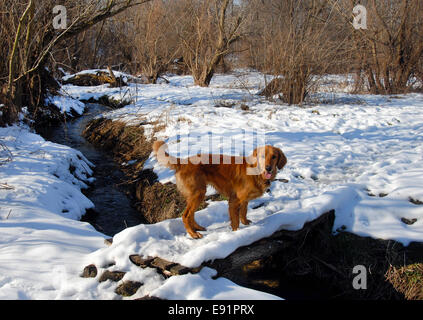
(155, 201)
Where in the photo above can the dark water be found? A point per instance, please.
(113, 211)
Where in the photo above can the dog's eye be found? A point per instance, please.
(273, 157)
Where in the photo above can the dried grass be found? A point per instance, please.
(408, 280)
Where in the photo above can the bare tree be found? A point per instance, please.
(35, 39)
(390, 49)
(156, 45)
(207, 31)
(296, 41)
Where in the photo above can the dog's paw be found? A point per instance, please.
(246, 222)
(199, 228)
(195, 235)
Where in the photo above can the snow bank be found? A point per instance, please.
(41, 241)
(65, 104)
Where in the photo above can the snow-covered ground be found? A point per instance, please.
(41, 240)
(340, 154)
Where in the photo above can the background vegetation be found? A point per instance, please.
(294, 40)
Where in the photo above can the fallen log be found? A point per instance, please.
(96, 79)
(267, 247)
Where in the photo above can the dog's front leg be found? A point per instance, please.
(234, 206)
(243, 213)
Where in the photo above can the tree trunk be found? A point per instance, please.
(203, 58)
(10, 111)
(205, 77)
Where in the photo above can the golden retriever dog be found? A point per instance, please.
(240, 179)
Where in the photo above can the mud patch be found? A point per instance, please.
(156, 201)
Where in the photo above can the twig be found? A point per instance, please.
(8, 214)
(9, 156)
(128, 181)
(6, 186)
(328, 265)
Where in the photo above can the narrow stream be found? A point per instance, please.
(113, 211)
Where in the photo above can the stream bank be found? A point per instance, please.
(113, 210)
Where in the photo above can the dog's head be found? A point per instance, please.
(267, 160)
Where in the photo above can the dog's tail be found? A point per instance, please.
(160, 151)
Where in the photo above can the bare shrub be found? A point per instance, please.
(390, 49)
(156, 44)
(298, 40)
(206, 30)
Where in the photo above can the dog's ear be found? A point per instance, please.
(281, 160)
(252, 159)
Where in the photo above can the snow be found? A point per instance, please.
(41, 240)
(66, 104)
(192, 287)
(361, 155)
